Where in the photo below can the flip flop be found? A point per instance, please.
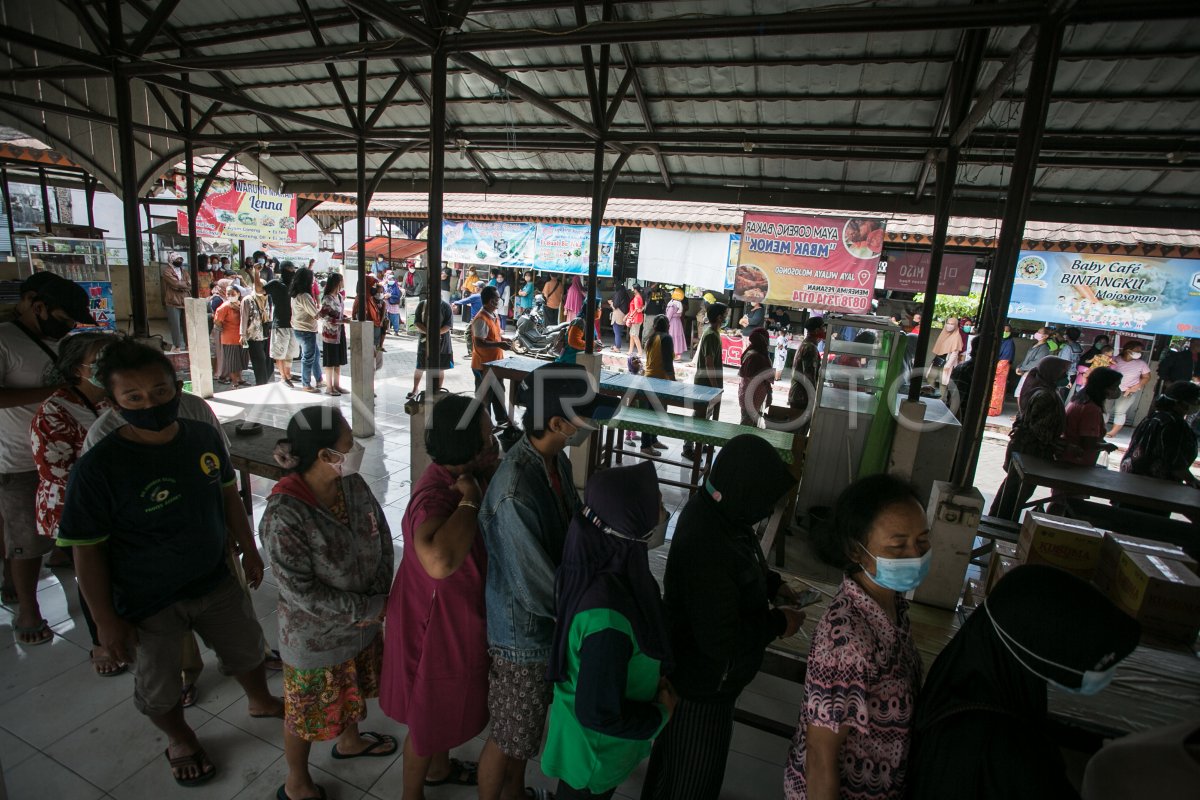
(35, 630)
(278, 715)
(462, 773)
(118, 667)
(198, 759)
(378, 740)
(187, 697)
(273, 661)
(282, 794)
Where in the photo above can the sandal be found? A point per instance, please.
(199, 760)
(372, 750)
(281, 794)
(187, 697)
(107, 666)
(41, 630)
(462, 773)
(273, 661)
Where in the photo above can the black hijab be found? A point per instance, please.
(1056, 624)
(620, 299)
(747, 479)
(605, 564)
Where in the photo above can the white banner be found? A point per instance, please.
(684, 258)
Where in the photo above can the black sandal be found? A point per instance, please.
(378, 740)
(462, 773)
(199, 760)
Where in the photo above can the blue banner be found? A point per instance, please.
(564, 248)
(1125, 293)
(497, 244)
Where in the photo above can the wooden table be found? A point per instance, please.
(1136, 490)
(253, 455)
(1152, 688)
(700, 400)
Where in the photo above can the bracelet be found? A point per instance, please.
(468, 504)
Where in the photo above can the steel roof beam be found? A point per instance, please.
(82, 113)
(381, 106)
(44, 45)
(154, 25)
(385, 12)
(525, 92)
(639, 94)
(84, 15)
(964, 75)
(319, 40)
(166, 108)
(207, 117)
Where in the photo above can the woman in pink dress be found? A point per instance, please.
(435, 661)
(574, 302)
(675, 319)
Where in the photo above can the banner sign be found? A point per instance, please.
(809, 261)
(735, 246)
(242, 210)
(1135, 294)
(908, 271)
(100, 303)
(564, 248)
(497, 244)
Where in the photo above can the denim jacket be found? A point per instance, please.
(524, 527)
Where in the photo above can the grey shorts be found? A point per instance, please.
(18, 503)
(225, 620)
(518, 701)
(635, 331)
(284, 345)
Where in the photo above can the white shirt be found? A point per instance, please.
(23, 365)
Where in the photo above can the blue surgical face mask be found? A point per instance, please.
(1092, 681)
(899, 574)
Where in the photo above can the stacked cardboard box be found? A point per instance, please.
(1069, 544)
(1004, 558)
(1153, 582)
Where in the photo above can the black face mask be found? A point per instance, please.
(54, 328)
(154, 418)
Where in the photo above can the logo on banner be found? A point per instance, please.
(864, 276)
(1031, 269)
(1196, 281)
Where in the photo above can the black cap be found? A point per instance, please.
(814, 323)
(564, 390)
(59, 293)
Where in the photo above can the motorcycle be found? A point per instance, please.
(534, 339)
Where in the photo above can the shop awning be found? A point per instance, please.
(400, 248)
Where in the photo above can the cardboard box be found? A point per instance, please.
(1003, 559)
(1069, 544)
(1116, 544)
(1160, 593)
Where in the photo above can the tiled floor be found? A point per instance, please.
(66, 734)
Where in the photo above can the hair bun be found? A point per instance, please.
(283, 455)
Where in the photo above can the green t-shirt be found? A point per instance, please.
(585, 758)
(710, 348)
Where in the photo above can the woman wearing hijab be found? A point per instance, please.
(718, 591)
(947, 349)
(756, 375)
(1008, 352)
(981, 718)
(675, 319)
(574, 302)
(863, 669)
(1163, 445)
(1083, 435)
(1040, 349)
(611, 642)
(1036, 431)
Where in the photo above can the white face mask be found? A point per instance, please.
(1135, 353)
(579, 436)
(351, 462)
(658, 534)
(1093, 681)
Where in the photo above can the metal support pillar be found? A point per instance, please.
(589, 300)
(8, 211)
(437, 173)
(45, 199)
(1012, 230)
(89, 193)
(360, 219)
(946, 173)
(189, 172)
(129, 201)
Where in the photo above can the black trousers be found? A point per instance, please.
(568, 792)
(688, 759)
(260, 360)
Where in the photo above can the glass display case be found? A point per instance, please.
(84, 261)
(856, 404)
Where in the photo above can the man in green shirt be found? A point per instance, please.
(708, 357)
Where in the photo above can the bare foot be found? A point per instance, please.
(272, 709)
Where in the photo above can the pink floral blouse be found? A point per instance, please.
(863, 673)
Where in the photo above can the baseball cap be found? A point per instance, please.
(564, 390)
(60, 293)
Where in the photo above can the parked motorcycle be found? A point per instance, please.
(533, 339)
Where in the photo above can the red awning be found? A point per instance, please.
(401, 248)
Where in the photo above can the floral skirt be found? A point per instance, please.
(319, 703)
